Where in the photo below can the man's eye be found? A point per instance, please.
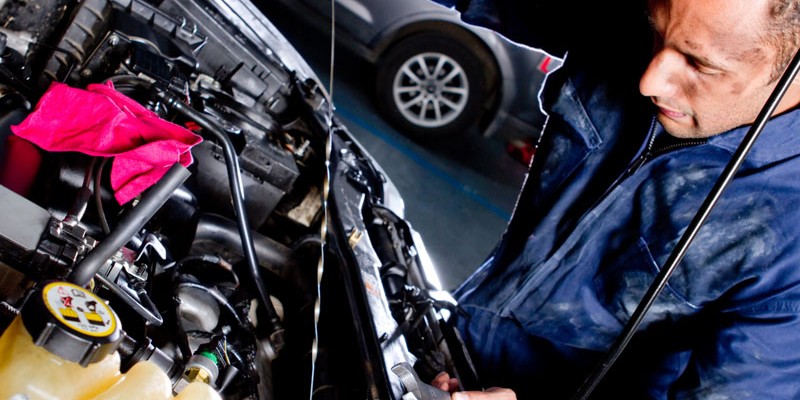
(702, 68)
(707, 71)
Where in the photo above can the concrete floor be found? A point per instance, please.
(459, 196)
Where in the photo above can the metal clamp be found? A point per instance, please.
(415, 388)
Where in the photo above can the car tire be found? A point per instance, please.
(427, 103)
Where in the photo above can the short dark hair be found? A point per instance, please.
(783, 32)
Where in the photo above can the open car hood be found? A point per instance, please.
(268, 258)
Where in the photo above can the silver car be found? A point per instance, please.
(435, 76)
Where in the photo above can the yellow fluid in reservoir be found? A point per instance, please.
(35, 373)
(197, 390)
(32, 371)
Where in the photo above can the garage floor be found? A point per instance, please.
(459, 195)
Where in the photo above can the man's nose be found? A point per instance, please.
(658, 79)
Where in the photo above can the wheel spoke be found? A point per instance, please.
(449, 103)
(423, 108)
(437, 109)
(419, 99)
(411, 75)
(452, 75)
(423, 66)
(455, 90)
(408, 89)
(440, 62)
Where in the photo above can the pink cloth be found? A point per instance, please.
(20, 165)
(100, 121)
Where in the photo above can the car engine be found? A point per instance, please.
(274, 265)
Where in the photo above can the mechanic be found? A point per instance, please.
(629, 152)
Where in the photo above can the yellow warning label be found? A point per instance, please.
(69, 314)
(94, 318)
(79, 309)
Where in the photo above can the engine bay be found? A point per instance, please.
(273, 262)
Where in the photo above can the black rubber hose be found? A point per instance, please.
(131, 352)
(688, 236)
(75, 213)
(130, 224)
(237, 194)
(276, 257)
(98, 198)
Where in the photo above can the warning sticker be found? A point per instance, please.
(79, 309)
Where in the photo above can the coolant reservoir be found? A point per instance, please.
(197, 390)
(63, 346)
(145, 380)
(32, 372)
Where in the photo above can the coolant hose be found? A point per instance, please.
(130, 224)
(237, 194)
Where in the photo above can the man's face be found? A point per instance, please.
(710, 70)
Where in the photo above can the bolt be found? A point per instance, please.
(198, 374)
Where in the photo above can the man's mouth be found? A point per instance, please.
(671, 113)
(668, 111)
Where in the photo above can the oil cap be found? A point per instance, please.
(71, 322)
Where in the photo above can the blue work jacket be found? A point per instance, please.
(607, 197)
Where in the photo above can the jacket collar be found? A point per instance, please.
(779, 140)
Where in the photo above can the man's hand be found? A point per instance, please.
(488, 394)
(445, 382)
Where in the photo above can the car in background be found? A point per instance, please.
(436, 77)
